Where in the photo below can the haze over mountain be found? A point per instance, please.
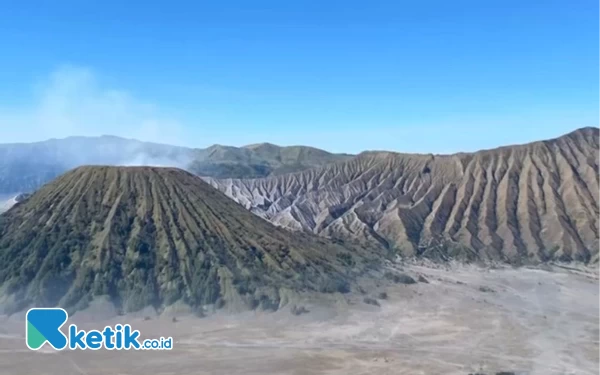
(535, 202)
(7, 201)
(148, 236)
(25, 167)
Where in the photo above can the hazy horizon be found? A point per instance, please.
(290, 145)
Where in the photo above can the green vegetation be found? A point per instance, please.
(257, 161)
(154, 237)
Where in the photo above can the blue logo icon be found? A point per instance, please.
(43, 326)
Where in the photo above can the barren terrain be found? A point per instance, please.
(465, 319)
(532, 202)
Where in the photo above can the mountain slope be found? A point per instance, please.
(529, 202)
(156, 236)
(260, 160)
(25, 167)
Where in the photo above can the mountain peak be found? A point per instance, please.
(262, 145)
(588, 131)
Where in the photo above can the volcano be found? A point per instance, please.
(147, 236)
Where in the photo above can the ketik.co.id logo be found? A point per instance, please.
(42, 325)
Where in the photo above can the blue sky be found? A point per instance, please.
(409, 76)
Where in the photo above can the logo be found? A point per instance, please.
(43, 325)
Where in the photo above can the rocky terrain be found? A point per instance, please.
(159, 237)
(24, 167)
(525, 203)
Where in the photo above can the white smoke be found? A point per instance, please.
(73, 101)
(7, 201)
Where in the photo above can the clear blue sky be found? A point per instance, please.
(411, 76)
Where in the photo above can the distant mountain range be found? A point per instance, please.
(25, 167)
(533, 202)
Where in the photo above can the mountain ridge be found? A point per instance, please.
(590, 130)
(470, 204)
(25, 167)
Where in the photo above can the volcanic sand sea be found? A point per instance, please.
(466, 319)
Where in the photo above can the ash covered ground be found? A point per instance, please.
(458, 320)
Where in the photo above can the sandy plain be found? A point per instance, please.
(465, 319)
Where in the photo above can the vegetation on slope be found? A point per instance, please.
(155, 236)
